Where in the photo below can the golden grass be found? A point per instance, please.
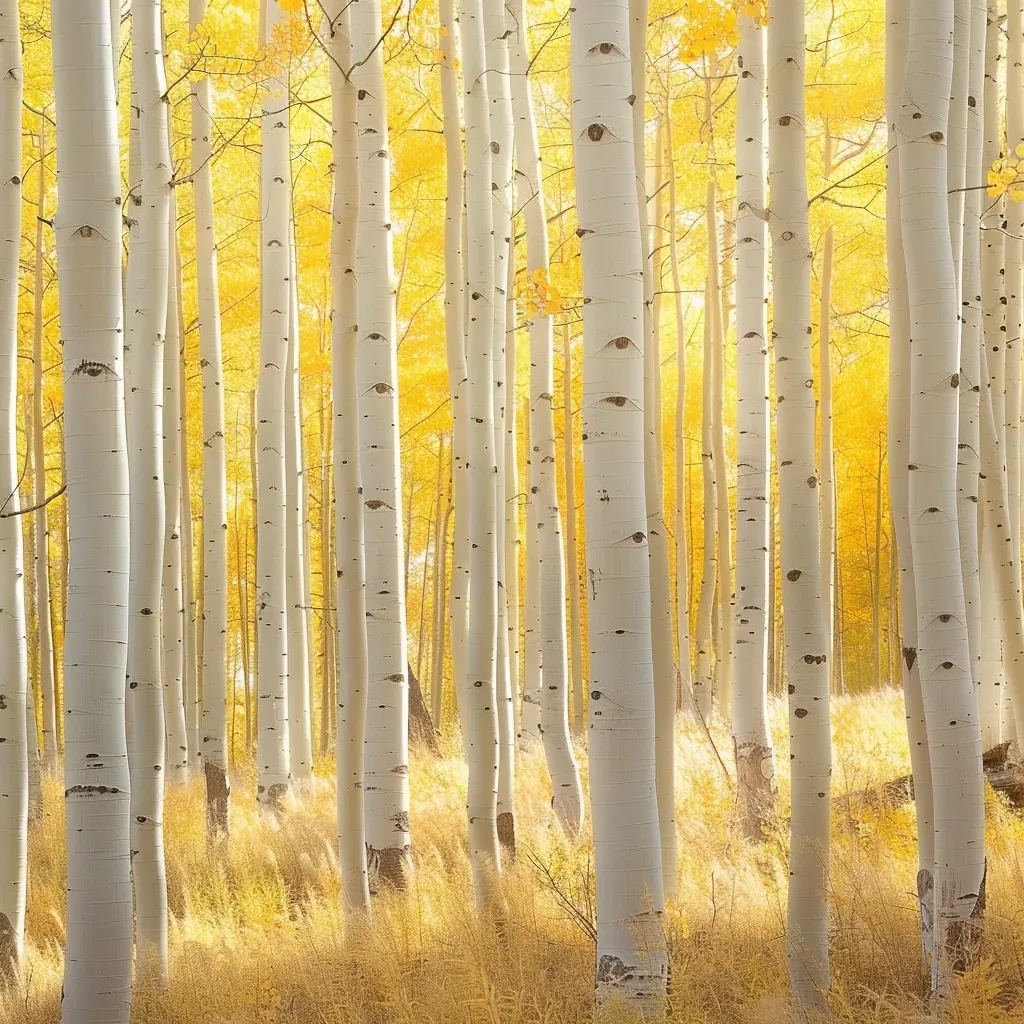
(257, 935)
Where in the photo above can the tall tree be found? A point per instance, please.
(14, 684)
(755, 760)
(387, 743)
(98, 958)
(632, 962)
(215, 562)
(804, 623)
(271, 557)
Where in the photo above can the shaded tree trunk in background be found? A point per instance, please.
(98, 961)
(632, 962)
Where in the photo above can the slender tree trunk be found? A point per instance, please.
(387, 743)
(480, 670)
(330, 578)
(529, 719)
(349, 566)
(276, 327)
(17, 749)
(440, 619)
(876, 604)
(242, 559)
(827, 495)
(215, 565)
(98, 960)
(571, 541)
(755, 759)
(804, 621)
(543, 471)
(955, 750)
(172, 601)
(512, 501)
(632, 962)
(254, 477)
(193, 701)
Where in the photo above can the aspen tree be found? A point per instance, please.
(512, 542)
(14, 684)
(632, 962)
(300, 738)
(44, 611)
(571, 543)
(949, 696)
(387, 742)
(481, 650)
(496, 32)
(215, 563)
(826, 456)
(271, 556)
(755, 760)
(146, 329)
(804, 623)
(533, 673)
(546, 530)
(98, 958)
(349, 565)
(172, 592)
(193, 700)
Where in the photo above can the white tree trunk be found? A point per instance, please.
(827, 495)
(571, 542)
(14, 685)
(804, 622)
(193, 700)
(512, 496)
(172, 619)
(529, 719)
(546, 531)
(496, 32)
(755, 760)
(300, 736)
(632, 961)
(950, 701)
(481, 651)
(387, 743)
(899, 476)
(271, 558)
(215, 563)
(145, 329)
(98, 958)
(349, 565)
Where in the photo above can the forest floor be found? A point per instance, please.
(257, 935)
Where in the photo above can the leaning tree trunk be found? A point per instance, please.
(387, 745)
(349, 564)
(479, 686)
(215, 545)
(755, 760)
(145, 330)
(803, 622)
(546, 532)
(632, 961)
(14, 686)
(496, 32)
(271, 558)
(98, 959)
(950, 701)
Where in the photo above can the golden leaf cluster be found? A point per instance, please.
(538, 294)
(709, 28)
(1004, 176)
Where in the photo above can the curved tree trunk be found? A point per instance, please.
(804, 622)
(271, 558)
(98, 959)
(387, 743)
(755, 759)
(215, 564)
(632, 962)
(543, 465)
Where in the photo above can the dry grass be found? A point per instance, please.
(257, 935)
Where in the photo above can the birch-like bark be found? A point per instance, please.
(827, 495)
(215, 562)
(571, 542)
(950, 701)
(14, 684)
(804, 622)
(300, 736)
(44, 631)
(546, 530)
(275, 329)
(496, 46)
(349, 566)
(899, 476)
(387, 742)
(632, 962)
(755, 759)
(172, 594)
(529, 719)
(512, 503)
(98, 959)
(481, 650)
(145, 329)
(193, 700)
